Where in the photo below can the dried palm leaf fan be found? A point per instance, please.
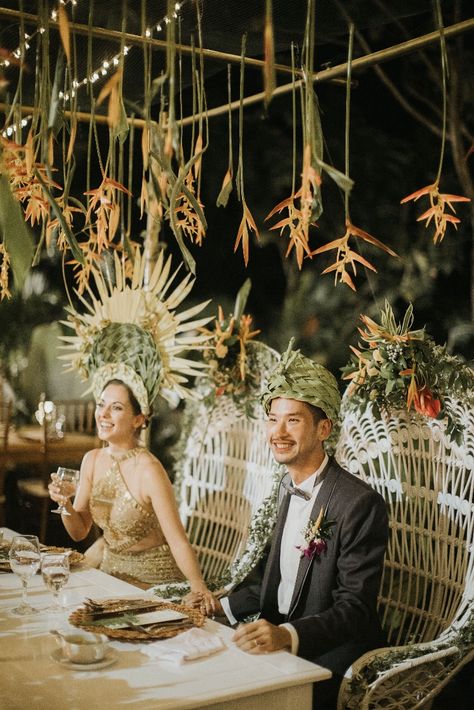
(132, 331)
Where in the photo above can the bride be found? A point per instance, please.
(125, 490)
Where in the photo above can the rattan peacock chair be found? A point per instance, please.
(426, 599)
(224, 475)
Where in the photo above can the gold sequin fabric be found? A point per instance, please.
(125, 522)
(155, 565)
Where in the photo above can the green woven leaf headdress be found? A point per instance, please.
(133, 332)
(298, 377)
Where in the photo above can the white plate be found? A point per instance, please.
(110, 658)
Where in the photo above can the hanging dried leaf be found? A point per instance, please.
(64, 32)
(269, 54)
(4, 272)
(115, 109)
(72, 138)
(145, 147)
(198, 150)
(226, 189)
(51, 149)
(29, 152)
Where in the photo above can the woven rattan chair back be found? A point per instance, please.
(223, 472)
(428, 483)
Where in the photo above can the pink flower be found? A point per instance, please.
(315, 535)
(315, 547)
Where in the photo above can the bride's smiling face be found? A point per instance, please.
(115, 417)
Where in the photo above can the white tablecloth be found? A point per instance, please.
(31, 680)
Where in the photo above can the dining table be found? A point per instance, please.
(32, 676)
(26, 446)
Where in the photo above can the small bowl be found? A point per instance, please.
(83, 647)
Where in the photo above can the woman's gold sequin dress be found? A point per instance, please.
(124, 523)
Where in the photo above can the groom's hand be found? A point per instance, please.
(262, 637)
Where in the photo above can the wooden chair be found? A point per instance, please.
(6, 410)
(426, 599)
(70, 417)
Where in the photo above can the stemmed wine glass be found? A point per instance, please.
(25, 558)
(55, 573)
(67, 479)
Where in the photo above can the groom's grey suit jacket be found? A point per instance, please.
(333, 607)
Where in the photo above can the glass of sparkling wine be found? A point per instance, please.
(25, 558)
(67, 480)
(55, 573)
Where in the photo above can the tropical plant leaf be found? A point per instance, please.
(226, 189)
(70, 238)
(241, 299)
(343, 181)
(121, 128)
(15, 234)
(55, 115)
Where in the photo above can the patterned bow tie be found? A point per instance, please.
(294, 491)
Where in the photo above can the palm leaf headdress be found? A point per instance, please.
(133, 331)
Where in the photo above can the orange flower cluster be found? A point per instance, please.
(398, 367)
(346, 256)
(299, 218)
(229, 344)
(18, 164)
(437, 211)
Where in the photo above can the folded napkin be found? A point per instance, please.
(192, 644)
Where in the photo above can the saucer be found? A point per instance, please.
(110, 658)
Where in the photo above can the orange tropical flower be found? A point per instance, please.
(346, 256)
(299, 218)
(103, 205)
(438, 201)
(425, 403)
(187, 217)
(243, 235)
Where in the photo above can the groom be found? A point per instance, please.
(316, 590)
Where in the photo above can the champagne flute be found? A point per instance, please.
(25, 558)
(55, 573)
(67, 479)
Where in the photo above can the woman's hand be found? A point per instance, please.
(60, 491)
(205, 601)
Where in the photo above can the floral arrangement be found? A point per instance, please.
(316, 534)
(234, 368)
(401, 368)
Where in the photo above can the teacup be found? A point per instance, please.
(82, 646)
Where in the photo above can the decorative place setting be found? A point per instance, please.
(135, 619)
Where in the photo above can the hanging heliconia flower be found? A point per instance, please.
(437, 213)
(439, 201)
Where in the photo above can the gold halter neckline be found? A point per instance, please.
(127, 455)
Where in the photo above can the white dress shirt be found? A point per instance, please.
(296, 521)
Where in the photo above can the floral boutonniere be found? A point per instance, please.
(315, 535)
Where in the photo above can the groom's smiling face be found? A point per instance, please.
(295, 435)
